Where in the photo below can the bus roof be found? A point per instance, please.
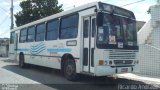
(89, 5)
(57, 15)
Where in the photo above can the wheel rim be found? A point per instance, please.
(69, 70)
(21, 62)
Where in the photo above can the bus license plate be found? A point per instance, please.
(124, 70)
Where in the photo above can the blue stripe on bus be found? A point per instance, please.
(38, 49)
(37, 52)
(60, 50)
(37, 46)
(49, 50)
(21, 49)
(50, 56)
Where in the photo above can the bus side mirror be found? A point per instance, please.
(99, 19)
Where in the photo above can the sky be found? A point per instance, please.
(139, 9)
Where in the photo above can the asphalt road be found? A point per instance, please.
(40, 78)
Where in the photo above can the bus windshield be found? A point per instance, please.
(117, 32)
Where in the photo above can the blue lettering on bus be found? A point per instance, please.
(22, 49)
(59, 50)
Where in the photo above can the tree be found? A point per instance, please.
(36, 9)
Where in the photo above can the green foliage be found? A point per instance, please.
(36, 9)
(149, 11)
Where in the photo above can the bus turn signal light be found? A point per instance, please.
(101, 62)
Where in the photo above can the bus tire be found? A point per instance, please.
(70, 70)
(21, 61)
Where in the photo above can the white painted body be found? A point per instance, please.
(53, 60)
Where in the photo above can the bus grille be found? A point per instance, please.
(121, 62)
(122, 54)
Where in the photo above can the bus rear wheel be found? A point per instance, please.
(70, 70)
(21, 61)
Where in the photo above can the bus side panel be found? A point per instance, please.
(49, 53)
(14, 46)
(42, 56)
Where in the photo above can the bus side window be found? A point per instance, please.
(86, 28)
(93, 27)
(40, 32)
(23, 35)
(52, 30)
(69, 27)
(31, 34)
(12, 37)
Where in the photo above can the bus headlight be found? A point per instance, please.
(136, 62)
(110, 62)
(106, 62)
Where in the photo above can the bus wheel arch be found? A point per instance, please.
(21, 60)
(68, 67)
(64, 59)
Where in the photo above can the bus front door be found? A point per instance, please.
(89, 28)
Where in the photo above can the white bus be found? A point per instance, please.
(95, 39)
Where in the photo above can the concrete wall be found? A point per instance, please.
(149, 52)
(139, 25)
(3, 51)
(149, 57)
(156, 37)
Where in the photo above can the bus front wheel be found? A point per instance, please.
(70, 70)
(21, 61)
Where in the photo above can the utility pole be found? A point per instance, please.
(12, 24)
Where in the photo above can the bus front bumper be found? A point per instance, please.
(111, 70)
